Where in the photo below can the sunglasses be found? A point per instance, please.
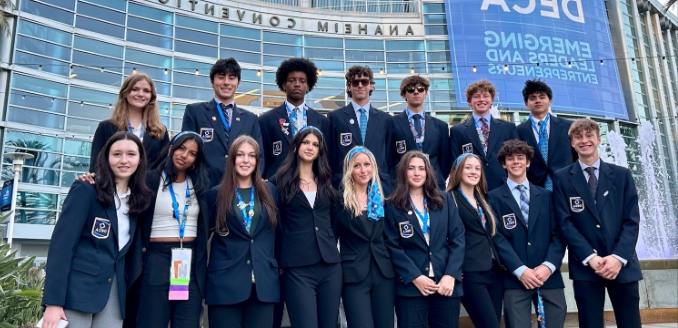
(419, 89)
(364, 82)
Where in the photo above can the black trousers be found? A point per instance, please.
(590, 298)
(369, 303)
(278, 309)
(312, 295)
(251, 313)
(483, 295)
(155, 310)
(435, 311)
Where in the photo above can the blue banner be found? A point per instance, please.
(6, 196)
(560, 42)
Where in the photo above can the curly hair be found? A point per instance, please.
(536, 86)
(358, 70)
(413, 81)
(582, 125)
(481, 85)
(297, 65)
(515, 147)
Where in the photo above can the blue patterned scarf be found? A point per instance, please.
(375, 201)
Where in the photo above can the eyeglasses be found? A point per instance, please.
(419, 89)
(364, 82)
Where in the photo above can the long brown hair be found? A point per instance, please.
(150, 114)
(399, 198)
(229, 182)
(480, 189)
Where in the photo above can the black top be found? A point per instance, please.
(245, 194)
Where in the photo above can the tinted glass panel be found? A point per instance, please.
(324, 42)
(196, 36)
(337, 54)
(35, 101)
(149, 39)
(92, 60)
(82, 126)
(435, 19)
(437, 45)
(100, 27)
(151, 13)
(434, 8)
(191, 79)
(39, 85)
(77, 109)
(240, 32)
(240, 44)
(101, 13)
(353, 55)
(98, 47)
(243, 57)
(32, 141)
(49, 12)
(364, 44)
(435, 30)
(279, 50)
(157, 74)
(76, 147)
(115, 4)
(198, 24)
(328, 65)
(148, 58)
(33, 117)
(92, 97)
(45, 64)
(149, 26)
(44, 32)
(190, 66)
(438, 56)
(196, 49)
(282, 38)
(192, 93)
(405, 56)
(405, 45)
(43, 48)
(96, 76)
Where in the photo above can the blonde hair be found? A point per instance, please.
(582, 125)
(350, 196)
(150, 113)
(480, 189)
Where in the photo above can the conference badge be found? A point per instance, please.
(576, 204)
(101, 228)
(509, 221)
(346, 139)
(406, 230)
(207, 134)
(277, 148)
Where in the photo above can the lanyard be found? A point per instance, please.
(424, 217)
(418, 139)
(223, 119)
(479, 129)
(292, 113)
(247, 215)
(542, 129)
(131, 129)
(175, 205)
(481, 213)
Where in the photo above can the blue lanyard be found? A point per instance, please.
(175, 205)
(424, 217)
(248, 214)
(292, 113)
(131, 129)
(419, 140)
(542, 129)
(223, 118)
(481, 213)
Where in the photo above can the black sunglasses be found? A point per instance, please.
(364, 82)
(419, 89)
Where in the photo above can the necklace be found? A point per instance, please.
(416, 195)
(363, 200)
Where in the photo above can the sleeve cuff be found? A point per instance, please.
(621, 259)
(550, 266)
(519, 272)
(586, 260)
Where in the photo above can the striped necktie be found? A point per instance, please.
(227, 109)
(524, 203)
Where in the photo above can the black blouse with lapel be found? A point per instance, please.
(107, 129)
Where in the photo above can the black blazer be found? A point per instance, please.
(203, 118)
(608, 226)
(276, 144)
(479, 242)
(81, 266)
(436, 144)
(106, 129)
(358, 247)
(235, 256)
(345, 135)
(532, 245)
(411, 255)
(465, 133)
(559, 143)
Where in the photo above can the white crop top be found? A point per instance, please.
(164, 223)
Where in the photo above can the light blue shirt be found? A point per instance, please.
(411, 113)
(230, 112)
(488, 117)
(357, 108)
(536, 123)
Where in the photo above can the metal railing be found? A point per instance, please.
(355, 6)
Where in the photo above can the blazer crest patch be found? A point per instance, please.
(401, 147)
(207, 134)
(346, 139)
(509, 221)
(406, 229)
(577, 204)
(467, 148)
(277, 148)
(101, 228)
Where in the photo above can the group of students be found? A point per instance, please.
(296, 208)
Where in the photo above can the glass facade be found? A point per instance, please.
(70, 57)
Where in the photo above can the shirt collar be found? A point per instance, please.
(411, 113)
(536, 120)
(232, 103)
(125, 194)
(291, 107)
(356, 107)
(487, 116)
(512, 184)
(595, 165)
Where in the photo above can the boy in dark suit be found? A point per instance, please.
(596, 205)
(219, 121)
(546, 134)
(482, 134)
(416, 130)
(531, 248)
(295, 77)
(360, 124)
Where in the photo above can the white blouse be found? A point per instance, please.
(164, 223)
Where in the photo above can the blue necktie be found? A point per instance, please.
(524, 203)
(544, 150)
(293, 121)
(363, 124)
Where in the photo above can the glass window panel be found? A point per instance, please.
(279, 50)
(434, 8)
(196, 49)
(243, 57)
(405, 45)
(274, 61)
(44, 32)
(149, 39)
(332, 82)
(163, 88)
(192, 93)
(151, 13)
(96, 76)
(92, 60)
(378, 95)
(324, 42)
(36, 200)
(439, 68)
(196, 36)
(190, 66)
(249, 74)
(29, 140)
(249, 87)
(49, 12)
(100, 27)
(325, 95)
(156, 74)
(42, 156)
(95, 46)
(419, 68)
(364, 44)
(439, 56)
(198, 24)
(35, 101)
(405, 56)
(292, 39)
(328, 65)
(269, 77)
(240, 44)
(241, 32)
(75, 163)
(337, 54)
(32, 117)
(149, 26)
(35, 217)
(92, 96)
(48, 65)
(43, 48)
(67, 179)
(435, 19)
(101, 13)
(192, 79)
(355, 55)
(115, 4)
(441, 95)
(88, 111)
(437, 45)
(435, 30)
(253, 100)
(39, 85)
(148, 58)
(442, 84)
(81, 126)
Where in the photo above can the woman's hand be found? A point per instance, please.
(446, 286)
(86, 177)
(53, 315)
(425, 285)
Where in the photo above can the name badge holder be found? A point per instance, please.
(180, 266)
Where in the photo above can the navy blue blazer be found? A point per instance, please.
(106, 129)
(559, 141)
(233, 258)
(411, 255)
(203, 118)
(435, 144)
(345, 135)
(608, 226)
(276, 144)
(532, 245)
(83, 255)
(359, 247)
(465, 136)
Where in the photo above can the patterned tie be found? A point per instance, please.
(226, 109)
(417, 126)
(593, 181)
(544, 150)
(485, 130)
(524, 203)
(293, 121)
(363, 124)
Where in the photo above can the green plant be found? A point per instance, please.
(9, 6)
(21, 286)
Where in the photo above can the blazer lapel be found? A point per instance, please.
(529, 132)
(472, 134)
(263, 220)
(404, 125)
(535, 206)
(282, 115)
(412, 217)
(238, 120)
(361, 226)
(434, 218)
(555, 131)
(578, 181)
(113, 217)
(605, 182)
(460, 198)
(496, 130)
(515, 207)
(373, 126)
(215, 120)
(147, 139)
(303, 198)
(349, 116)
